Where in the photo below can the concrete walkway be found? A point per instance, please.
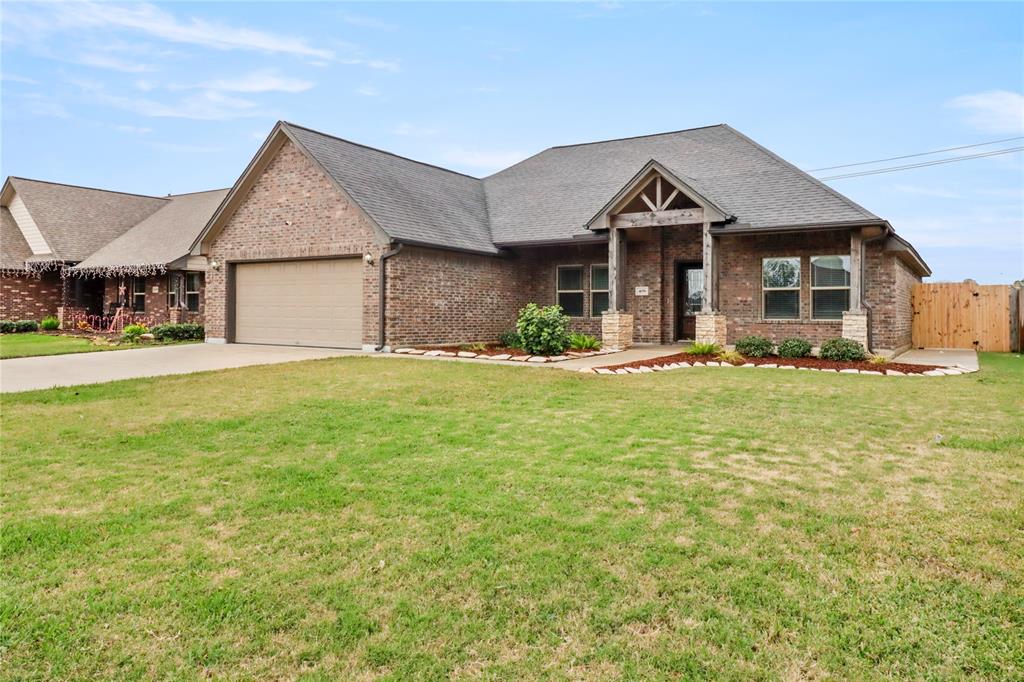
(642, 352)
(27, 374)
(943, 357)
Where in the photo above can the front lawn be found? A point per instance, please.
(28, 344)
(361, 517)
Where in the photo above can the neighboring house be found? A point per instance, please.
(100, 257)
(697, 234)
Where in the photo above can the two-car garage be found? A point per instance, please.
(316, 302)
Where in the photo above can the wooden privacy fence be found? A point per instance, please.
(966, 315)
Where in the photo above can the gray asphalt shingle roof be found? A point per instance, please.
(552, 195)
(76, 221)
(411, 201)
(161, 237)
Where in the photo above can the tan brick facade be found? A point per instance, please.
(29, 298)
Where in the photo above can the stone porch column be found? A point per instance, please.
(616, 323)
(710, 322)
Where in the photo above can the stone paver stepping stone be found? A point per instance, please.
(466, 354)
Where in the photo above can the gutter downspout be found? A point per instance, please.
(382, 296)
(863, 271)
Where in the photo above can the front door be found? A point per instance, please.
(689, 290)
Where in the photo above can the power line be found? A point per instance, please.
(937, 162)
(910, 156)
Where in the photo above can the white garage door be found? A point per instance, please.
(300, 303)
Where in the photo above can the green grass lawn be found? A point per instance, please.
(358, 517)
(25, 345)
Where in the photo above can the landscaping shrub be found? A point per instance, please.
(132, 332)
(699, 348)
(184, 331)
(22, 326)
(754, 346)
(7, 327)
(842, 349)
(579, 341)
(878, 360)
(730, 356)
(544, 331)
(794, 348)
(49, 324)
(510, 339)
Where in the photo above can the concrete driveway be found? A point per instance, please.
(26, 374)
(944, 357)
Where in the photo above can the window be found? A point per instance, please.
(780, 280)
(139, 294)
(830, 287)
(570, 289)
(598, 289)
(193, 280)
(172, 291)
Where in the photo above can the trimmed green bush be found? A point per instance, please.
(754, 347)
(699, 348)
(22, 326)
(842, 349)
(794, 348)
(579, 341)
(510, 339)
(132, 332)
(544, 331)
(185, 331)
(49, 324)
(8, 327)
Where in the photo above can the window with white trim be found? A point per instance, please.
(780, 284)
(570, 289)
(139, 294)
(193, 282)
(830, 287)
(598, 289)
(172, 291)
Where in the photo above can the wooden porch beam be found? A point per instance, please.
(707, 301)
(679, 216)
(856, 267)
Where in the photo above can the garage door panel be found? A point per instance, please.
(307, 303)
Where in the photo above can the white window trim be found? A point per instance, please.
(193, 291)
(590, 310)
(172, 292)
(559, 292)
(797, 289)
(817, 288)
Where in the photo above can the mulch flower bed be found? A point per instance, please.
(811, 363)
(494, 351)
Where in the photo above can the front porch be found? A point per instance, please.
(109, 303)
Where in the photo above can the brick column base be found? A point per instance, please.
(855, 326)
(710, 328)
(174, 315)
(616, 330)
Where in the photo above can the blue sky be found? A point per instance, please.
(158, 98)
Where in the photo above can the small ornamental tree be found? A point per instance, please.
(543, 331)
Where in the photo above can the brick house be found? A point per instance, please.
(697, 234)
(100, 257)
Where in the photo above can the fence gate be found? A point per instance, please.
(963, 315)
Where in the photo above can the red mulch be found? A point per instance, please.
(795, 362)
(492, 349)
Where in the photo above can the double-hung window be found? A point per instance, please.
(570, 289)
(780, 284)
(830, 287)
(598, 289)
(139, 294)
(172, 291)
(193, 281)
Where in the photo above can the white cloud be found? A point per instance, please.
(413, 130)
(207, 105)
(153, 21)
(391, 66)
(491, 160)
(187, 148)
(101, 61)
(259, 81)
(993, 111)
(43, 105)
(134, 130)
(14, 78)
(367, 91)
